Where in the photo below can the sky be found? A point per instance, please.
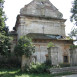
(12, 9)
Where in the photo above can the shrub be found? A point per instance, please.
(38, 68)
(24, 47)
(50, 44)
(73, 47)
(10, 63)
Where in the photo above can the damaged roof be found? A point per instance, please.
(43, 36)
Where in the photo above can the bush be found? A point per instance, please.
(38, 68)
(10, 63)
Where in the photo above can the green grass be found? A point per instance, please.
(17, 73)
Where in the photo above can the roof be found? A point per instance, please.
(43, 36)
(42, 8)
(48, 37)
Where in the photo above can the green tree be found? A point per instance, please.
(3, 28)
(74, 12)
(73, 33)
(4, 36)
(5, 43)
(25, 49)
(73, 18)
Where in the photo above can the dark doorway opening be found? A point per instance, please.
(65, 59)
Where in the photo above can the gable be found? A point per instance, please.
(42, 8)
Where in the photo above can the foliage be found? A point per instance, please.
(10, 63)
(73, 33)
(50, 44)
(5, 43)
(69, 37)
(17, 73)
(24, 47)
(74, 19)
(2, 19)
(37, 68)
(4, 38)
(74, 12)
(73, 46)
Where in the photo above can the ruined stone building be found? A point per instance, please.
(42, 21)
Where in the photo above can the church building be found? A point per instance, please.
(42, 21)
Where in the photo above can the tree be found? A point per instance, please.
(73, 33)
(3, 28)
(5, 43)
(4, 36)
(73, 18)
(24, 49)
(74, 12)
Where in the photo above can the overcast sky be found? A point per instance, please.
(12, 9)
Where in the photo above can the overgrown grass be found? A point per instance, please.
(18, 73)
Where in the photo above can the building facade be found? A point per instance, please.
(41, 21)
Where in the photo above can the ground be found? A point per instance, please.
(17, 73)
